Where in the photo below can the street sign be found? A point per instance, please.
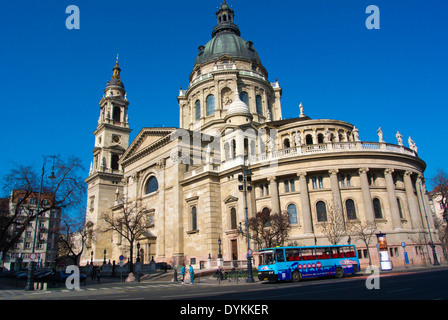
(33, 257)
(406, 258)
(403, 244)
(249, 252)
(121, 258)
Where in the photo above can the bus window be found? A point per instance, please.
(308, 254)
(279, 255)
(349, 252)
(323, 253)
(267, 257)
(337, 253)
(292, 254)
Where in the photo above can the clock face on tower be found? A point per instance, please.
(116, 138)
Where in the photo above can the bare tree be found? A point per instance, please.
(130, 221)
(440, 182)
(269, 230)
(363, 232)
(441, 226)
(334, 226)
(66, 190)
(72, 237)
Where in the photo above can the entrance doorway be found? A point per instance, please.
(234, 245)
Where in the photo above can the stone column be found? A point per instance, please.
(421, 195)
(335, 188)
(390, 186)
(366, 196)
(161, 205)
(306, 208)
(416, 219)
(273, 191)
(427, 206)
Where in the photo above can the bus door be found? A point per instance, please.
(283, 270)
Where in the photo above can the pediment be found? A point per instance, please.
(147, 138)
(230, 199)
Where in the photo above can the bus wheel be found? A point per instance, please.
(339, 273)
(296, 276)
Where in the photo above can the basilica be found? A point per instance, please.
(233, 155)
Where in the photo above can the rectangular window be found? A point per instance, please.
(292, 185)
(286, 186)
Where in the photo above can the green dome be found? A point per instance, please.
(226, 40)
(227, 43)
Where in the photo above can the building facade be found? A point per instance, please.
(41, 237)
(230, 120)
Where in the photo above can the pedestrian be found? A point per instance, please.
(93, 272)
(98, 275)
(219, 272)
(182, 273)
(191, 274)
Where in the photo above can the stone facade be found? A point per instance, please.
(230, 121)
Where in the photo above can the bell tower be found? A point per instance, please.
(106, 174)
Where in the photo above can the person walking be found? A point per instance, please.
(191, 271)
(98, 275)
(182, 273)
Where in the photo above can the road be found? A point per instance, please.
(420, 285)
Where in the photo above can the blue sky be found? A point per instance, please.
(321, 52)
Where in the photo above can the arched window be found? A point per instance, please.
(233, 224)
(320, 138)
(152, 185)
(114, 161)
(286, 144)
(321, 210)
(194, 219)
(350, 209)
(244, 97)
(266, 212)
(292, 212)
(116, 115)
(309, 139)
(197, 110)
(210, 105)
(259, 104)
(377, 208)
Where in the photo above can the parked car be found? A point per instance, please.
(162, 266)
(62, 276)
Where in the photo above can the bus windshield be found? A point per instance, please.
(267, 257)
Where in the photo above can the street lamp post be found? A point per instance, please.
(245, 178)
(137, 264)
(30, 279)
(219, 248)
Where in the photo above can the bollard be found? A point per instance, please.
(44, 286)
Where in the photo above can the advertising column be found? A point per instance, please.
(384, 253)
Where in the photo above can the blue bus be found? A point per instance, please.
(296, 263)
